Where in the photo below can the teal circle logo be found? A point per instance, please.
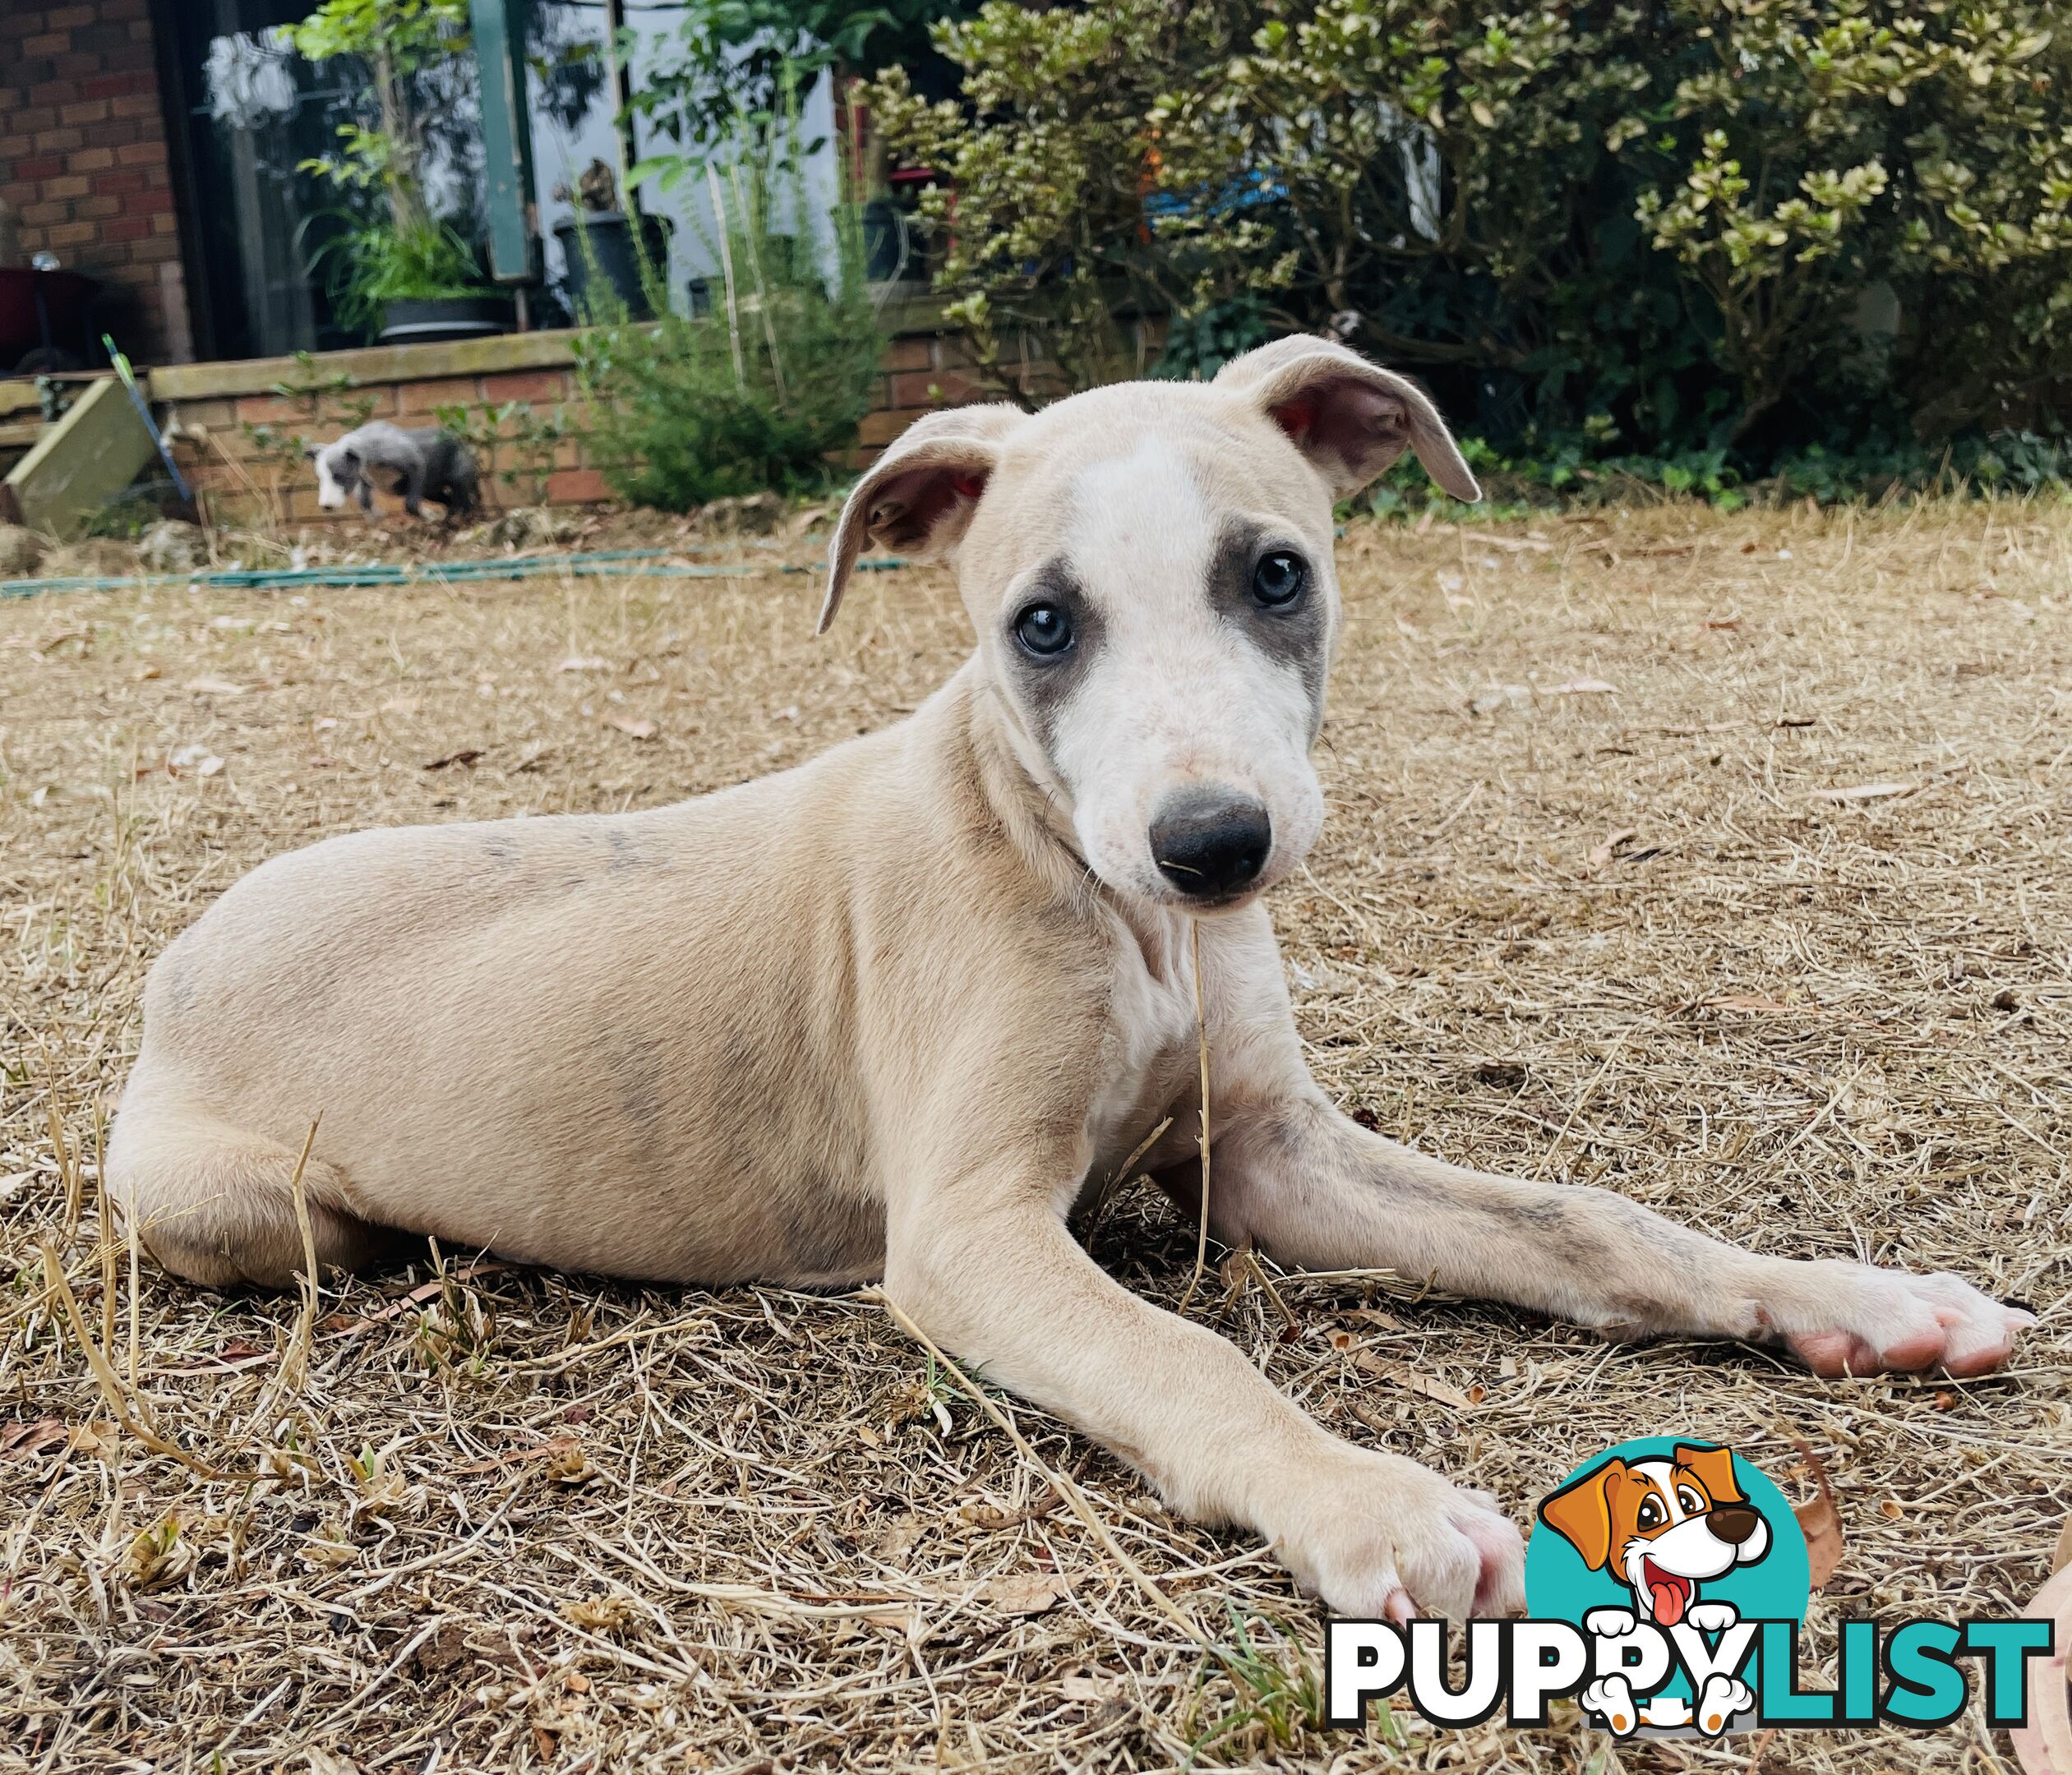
(1674, 1533)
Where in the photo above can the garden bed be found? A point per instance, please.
(1722, 860)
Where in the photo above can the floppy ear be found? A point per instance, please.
(1715, 1468)
(1352, 418)
(920, 495)
(1580, 1513)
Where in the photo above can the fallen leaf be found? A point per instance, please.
(1869, 791)
(1820, 1521)
(1026, 1593)
(584, 662)
(1794, 720)
(465, 755)
(1410, 1380)
(632, 726)
(148, 670)
(1585, 687)
(194, 760)
(214, 687)
(23, 1438)
(1891, 1509)
(1602, 854)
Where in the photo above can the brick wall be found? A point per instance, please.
(240, 430)
(84, 164)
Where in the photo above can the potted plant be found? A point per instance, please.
(396, 272)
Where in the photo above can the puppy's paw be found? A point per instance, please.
(1379, 1537)
(1712, 1617)
(1722, 1698)
(1853, 1319)
(1608, 1623)
(1610, 1698)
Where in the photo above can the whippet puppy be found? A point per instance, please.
(893, 1014)
(421, 464)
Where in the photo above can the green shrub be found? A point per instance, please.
(1754, 226)
(762, 391)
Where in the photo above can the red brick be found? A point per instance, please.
(882, 426)
(115, 86)
(47, 166)
(52, 141)
(135, 105)
(70, 18)
(73, 234)
(153, 202)
(931, 388)
(92, 160)
(906, 354)
(142, 154)
(48, 43)
(100, 207)
(126, 228)
(66, 185)
(420, 397)
(576, 487)
(524, 386)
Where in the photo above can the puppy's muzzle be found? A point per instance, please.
(1210, 843)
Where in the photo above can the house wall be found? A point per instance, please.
(84, 162)
(240, 429)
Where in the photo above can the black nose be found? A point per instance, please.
(1209, 842)
(1732, 1523)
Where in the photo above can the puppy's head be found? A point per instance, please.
(1149, 569)
(1661, 1525)
(338, 474)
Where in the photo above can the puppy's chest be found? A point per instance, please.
(1152, 1063)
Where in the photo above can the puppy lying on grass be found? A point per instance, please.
(892, 1014)
(423, 464)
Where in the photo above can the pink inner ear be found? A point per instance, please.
(968, 485)
(1296, 417)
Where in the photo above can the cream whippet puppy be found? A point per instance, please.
(891, 1013)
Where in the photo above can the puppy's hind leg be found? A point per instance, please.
(216, 1206)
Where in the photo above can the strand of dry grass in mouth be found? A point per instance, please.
(1201, 1039)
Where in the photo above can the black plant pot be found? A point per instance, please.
(604, 265)
(420, 321)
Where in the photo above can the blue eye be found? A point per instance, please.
(1279, 579)
(1044, 629)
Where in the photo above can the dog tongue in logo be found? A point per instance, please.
(1669, 1592)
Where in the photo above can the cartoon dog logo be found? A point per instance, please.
(1661, 1527)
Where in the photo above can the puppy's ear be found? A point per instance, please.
(1715, 1468)
(1352, 418)
(919, 496)
(1580, 1513)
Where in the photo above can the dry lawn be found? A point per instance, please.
(1726, 861)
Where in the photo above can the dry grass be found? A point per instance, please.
(488, 1519)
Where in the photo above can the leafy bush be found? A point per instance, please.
(762, 391)
(1753, 226)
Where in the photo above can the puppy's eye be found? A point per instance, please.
(1649, 1514)
(1279, 579)
(1044, 629)
(1693, 1504)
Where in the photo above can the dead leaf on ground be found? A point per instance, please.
(1602, 854)
(214, 687)
(631, 726)
(1402, 1375)
(23, 1438)
(1027, 1593)
(1869, 791)
(1819, 1519)
(1584, 687)
(465, 755)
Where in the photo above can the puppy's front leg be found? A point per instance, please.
(1319, 1192)
(987, 1268)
